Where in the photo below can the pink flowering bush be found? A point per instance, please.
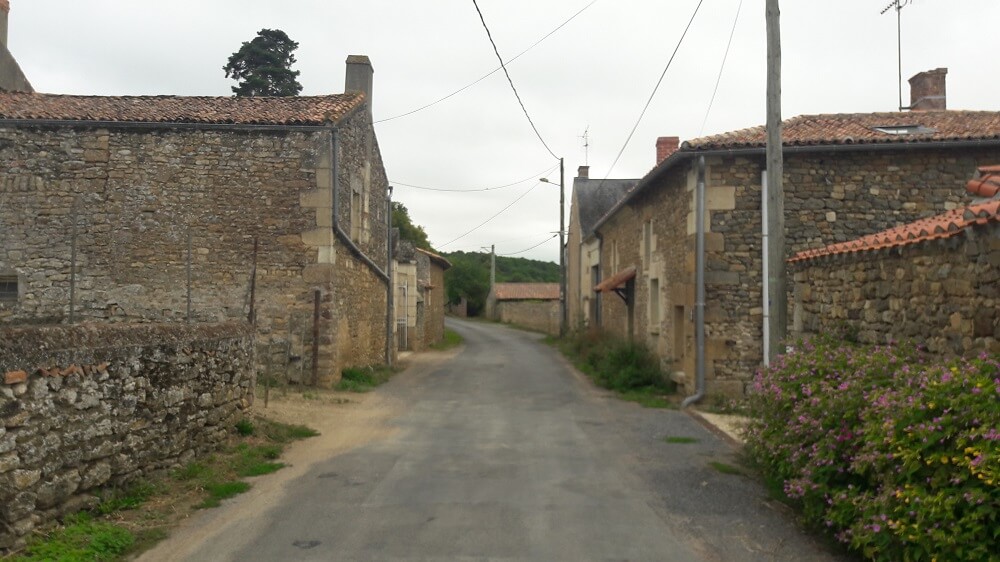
(895, 452)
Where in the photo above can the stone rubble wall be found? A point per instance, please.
(87, 406)
(944, 295)
(539, 315)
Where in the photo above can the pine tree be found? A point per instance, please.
(263, 66)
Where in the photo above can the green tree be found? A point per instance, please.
(263, 66)
(407, 230)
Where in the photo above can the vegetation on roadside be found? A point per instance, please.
(629, 368)
(679, 439)
(364, 379)
(895, 453)
(451, 339)
(132, 519)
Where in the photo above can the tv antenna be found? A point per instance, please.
(586, 146)
(898, 5)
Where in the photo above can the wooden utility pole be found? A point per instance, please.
(776, 294)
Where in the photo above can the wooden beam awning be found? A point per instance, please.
(616, 281)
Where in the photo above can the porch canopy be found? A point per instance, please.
(617, 282)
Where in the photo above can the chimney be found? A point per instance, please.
(4, 9)
(927, 90)
(358, 77)
(665, 146)
(583, 172)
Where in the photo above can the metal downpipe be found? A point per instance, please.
(389, 293)
(699, 282)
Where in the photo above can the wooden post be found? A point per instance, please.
(776, 298)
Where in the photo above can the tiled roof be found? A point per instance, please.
(863, 128)
(526, 291)
(616, 280)
(944, 225)
(595, 197)
(987, 184)
(293, 110)
(438, 259)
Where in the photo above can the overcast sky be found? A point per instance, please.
(595, 74)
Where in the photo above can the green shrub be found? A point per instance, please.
(363, 379)
(616, 364)
(244, 427)
(897, 455)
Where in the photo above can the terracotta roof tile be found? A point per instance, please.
(526, 291)
(295, 110)
(944, 225)
(863, 128)
(987, 184)
(616, 280)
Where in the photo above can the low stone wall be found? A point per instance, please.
(99, 405)
(945, 295)
(532, 314)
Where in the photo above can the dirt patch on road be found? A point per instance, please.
(344, 420)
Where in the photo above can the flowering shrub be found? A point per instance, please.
(897, 454)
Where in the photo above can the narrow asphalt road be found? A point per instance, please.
(505, 453)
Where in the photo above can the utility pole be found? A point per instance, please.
(562, 250)
(493, 266)
(776, 295)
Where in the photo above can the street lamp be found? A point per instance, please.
(562, 246)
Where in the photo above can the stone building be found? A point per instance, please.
(590, 200)
(845, 176)
(167, 208)
(528, 305)
(11, 77)
(935, 281)
(419, 300)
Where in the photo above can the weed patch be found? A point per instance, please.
(218, 491)
(81, 538)
(115, 499)
(725, 468)
(451, 339)
(363, 379)
(244, 427)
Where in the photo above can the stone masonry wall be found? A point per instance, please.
(944, 295)
(138, 194)
(532, 314)
(86, 406)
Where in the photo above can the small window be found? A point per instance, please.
(647, 241)
(8, 288)
(654, 305)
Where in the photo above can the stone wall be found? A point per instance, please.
(539, 315)
(829, 197)
(944, 295)
(97, 405)
(434, 299)
(136, 195)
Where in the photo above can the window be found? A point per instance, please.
(8, 288)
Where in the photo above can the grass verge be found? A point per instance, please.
(364, 379)
(677, 439)
(451, 339)
(132, 519)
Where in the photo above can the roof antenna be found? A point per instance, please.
(586, 146)
(898, 5)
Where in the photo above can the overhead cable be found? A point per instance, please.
(490, 73)
(655, 88)
(531, 177)
(531, 248)
(485, 222)
(510, 81)
(721, 68)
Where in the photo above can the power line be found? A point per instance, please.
(490, 73)
(721, 68)
(507, 74)
(655, 88)
(531, 248)
(485, 222)
(531, 177)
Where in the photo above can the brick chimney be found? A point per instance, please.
(583, 172)
(4, 9)
(665, 146)
(358, 77)
(927, 90)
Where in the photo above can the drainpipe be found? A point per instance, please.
(600, 263)
(699, 282)
(345, 239)
(765, 268)
(389, 293)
